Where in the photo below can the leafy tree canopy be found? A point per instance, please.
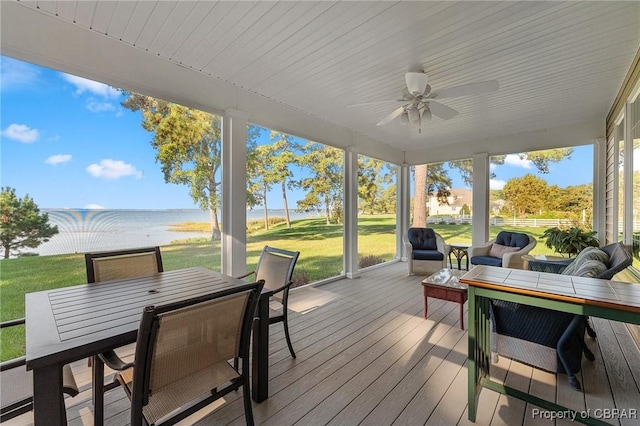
(21, 224)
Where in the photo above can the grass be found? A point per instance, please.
(320, 245)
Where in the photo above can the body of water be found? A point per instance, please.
(82, 231)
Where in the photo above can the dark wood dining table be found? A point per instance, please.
(72, 323)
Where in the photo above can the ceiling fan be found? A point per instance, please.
(419, 101)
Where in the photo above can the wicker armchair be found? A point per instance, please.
(548, 339)
(426, 251)
(182, 355)
(505, 250)
(275, 267)
(16, 383)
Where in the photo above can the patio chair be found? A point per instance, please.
(16, 383)
(182, 355)
(111, 265)
(426, 251)
(548, 339)
(506, 250)
(275, 267)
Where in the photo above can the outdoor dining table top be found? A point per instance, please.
(72, 323)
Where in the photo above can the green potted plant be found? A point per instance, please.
(569, 241)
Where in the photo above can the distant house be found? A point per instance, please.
(458, 198)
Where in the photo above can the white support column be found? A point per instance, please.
(234, 193)
(627, 224)
(351, 213)
(480, 221)
(599, 188)
(403, 207)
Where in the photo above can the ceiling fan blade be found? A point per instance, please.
(466, 90)
(376, 102)
(391, 116)
(441, 110)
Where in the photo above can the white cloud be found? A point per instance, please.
(496, 184)
(515, 161)
(16, 74)
(83, 85)
(21, 133)
(113, 169)
(97, 106)
(58, 159)
(94, 206)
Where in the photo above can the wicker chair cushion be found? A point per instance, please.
(422, 238)
(427, 255)
(512, 239)
(498, 250)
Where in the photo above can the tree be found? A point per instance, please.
(428, 180)
(324, 184)
(21, 224)
(528, 194)
(283, 156)
(187, 144)
(541, 159)
(374, 178)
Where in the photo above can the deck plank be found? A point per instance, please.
(366, 356)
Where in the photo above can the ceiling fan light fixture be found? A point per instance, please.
(416, 82)
(414, 115)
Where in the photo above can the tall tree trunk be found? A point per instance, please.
(286, 207)
(7, 252)
(420, 197)
(266, 212)
(327, 209)
(215, 226)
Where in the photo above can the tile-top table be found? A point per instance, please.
(444, 285)
(67, 324)
(612, 300)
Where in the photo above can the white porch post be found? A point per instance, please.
(351, 213)
(234, 194)
(480, 221)
(403, 207)
(599, 188)
(627, 224)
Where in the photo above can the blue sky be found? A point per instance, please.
(68, 143)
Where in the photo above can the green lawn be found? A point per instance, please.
(320, 246)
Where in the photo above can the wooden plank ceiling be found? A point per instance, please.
(558, 63)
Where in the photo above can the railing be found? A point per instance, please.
(501, 221)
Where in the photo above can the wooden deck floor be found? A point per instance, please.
(366, 356)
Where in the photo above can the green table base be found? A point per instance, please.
(480, 346)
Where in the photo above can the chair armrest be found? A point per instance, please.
(114, 362)
(443, 247)
(246, 275)
(480, 250)
(514, 259)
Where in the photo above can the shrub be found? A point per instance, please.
(570, 241)
(300, 277)
(258, 224)
(369, 260)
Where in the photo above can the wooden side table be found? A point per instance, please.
(444, 285)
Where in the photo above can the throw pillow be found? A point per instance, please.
(497, 250)
(590, 268)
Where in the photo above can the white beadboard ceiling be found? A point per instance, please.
(297, 65)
